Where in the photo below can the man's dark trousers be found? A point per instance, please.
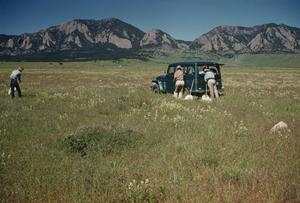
(14, 84)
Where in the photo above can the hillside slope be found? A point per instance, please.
(262, 38)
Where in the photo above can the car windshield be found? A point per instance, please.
(186, 70)
(189, 70)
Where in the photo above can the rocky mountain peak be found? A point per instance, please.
(76, 35)
(112, 20)
(156, 38)
(261, 38)
(71, 26)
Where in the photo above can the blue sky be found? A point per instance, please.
(182, 19)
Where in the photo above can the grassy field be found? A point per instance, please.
(93, 132)
(264, 60)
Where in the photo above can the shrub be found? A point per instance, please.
(98, 139)
(79, 142)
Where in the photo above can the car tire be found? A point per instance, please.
(155, 88)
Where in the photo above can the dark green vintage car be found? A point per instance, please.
(193, 78)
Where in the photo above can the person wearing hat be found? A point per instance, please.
(209, 78)
(15, 79)
(179, 82)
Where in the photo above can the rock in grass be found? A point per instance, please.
(205, 98)
(188, 97)
(279, 127)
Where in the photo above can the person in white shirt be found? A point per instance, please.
(15, 79)
(209, 78)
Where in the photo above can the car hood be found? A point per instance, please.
(160, 77)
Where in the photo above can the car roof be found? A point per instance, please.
(192, 63)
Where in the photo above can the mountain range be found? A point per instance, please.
(107, 37)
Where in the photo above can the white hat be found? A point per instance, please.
(179, 67)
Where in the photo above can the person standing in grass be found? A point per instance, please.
(179, 82)
(15, 79)
(209, 78)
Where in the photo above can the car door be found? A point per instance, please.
(170, 82)
(189, 72)
(201, 85)
(218, 78)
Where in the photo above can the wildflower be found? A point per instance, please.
(227, 114)
(130, 185)
(240, 129)
(148, 115)
(156, 115)
(178, 118)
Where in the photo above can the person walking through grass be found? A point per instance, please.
(15, 79)
(209, 78)
(179, 82)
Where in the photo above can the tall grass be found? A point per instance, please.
(92, 131)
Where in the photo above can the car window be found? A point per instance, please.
(200, 68)
(171, 70)
(214, 69)
(189, 70)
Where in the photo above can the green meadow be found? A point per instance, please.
(93, 132)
